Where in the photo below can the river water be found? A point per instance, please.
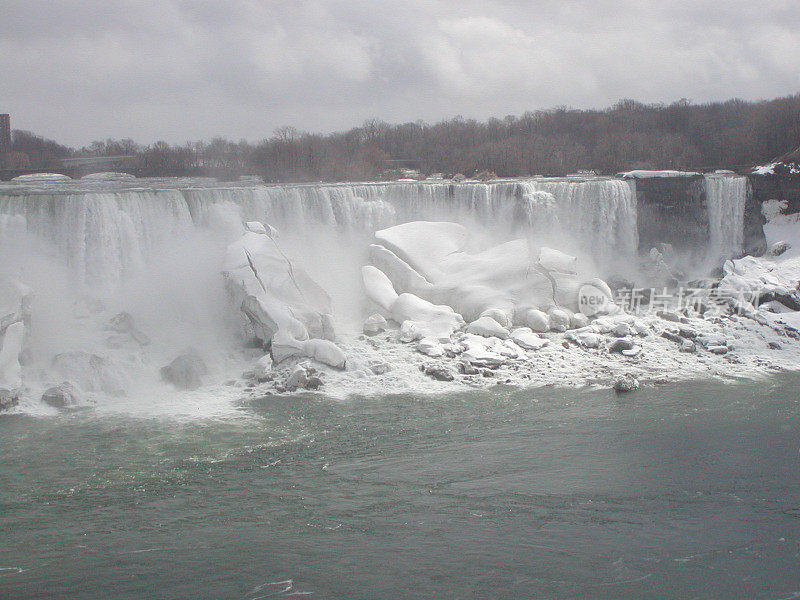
(682, 491)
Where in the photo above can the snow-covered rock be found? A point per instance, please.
(487, 327)
(578, 320)
(263, 367)
(285, 308)
(324, 351)
(123, 323)
(498, 315)
(374, 324)
(778, 248)
(528, 340)
(431, 261)
(559, 319)
(437, 371)
(620, 345)
(477, 351)
(555, 260)
(430, 347)
(297, 378)
(537, 320)
(585, 337)
(418, 318)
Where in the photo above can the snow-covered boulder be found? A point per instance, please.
(297, 378)
(15, 303)
(578, 321)
(559, 319)
(433, 261)
(487, 327)
(555, 260)
(418, 318)
(285, 309)
(481, 352)
(430, 347)
(374, 324)
(263, 367)
(325, 352)
(537, 320)
(528, 340)
(15, 316)
(626, 383)
(498, 315)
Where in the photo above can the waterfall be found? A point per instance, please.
(725, 198)
(106, 233)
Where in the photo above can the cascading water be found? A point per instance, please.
(106, 235)
(725, 197)
(155, 249)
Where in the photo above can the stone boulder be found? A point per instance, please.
(437, 372)
(186, 372)
(626, 383)
(63, 395)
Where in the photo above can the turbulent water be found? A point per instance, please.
(680, 491)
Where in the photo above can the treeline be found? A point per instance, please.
(734, 134)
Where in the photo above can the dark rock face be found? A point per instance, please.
(8, 399)
(313, 383)
(438, 372)
(185, 372)
(672, 210)
(776, 187)
(619, 345)
(755, 242)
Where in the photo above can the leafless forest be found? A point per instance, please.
(734, 134)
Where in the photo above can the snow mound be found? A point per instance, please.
(644, 174)
(41, 178)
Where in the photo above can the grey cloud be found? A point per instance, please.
(180, 69)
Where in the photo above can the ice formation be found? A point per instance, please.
(286, 310)
(15, 316)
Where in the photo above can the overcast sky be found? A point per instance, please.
(183, 70)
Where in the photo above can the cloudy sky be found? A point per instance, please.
(178, 69)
